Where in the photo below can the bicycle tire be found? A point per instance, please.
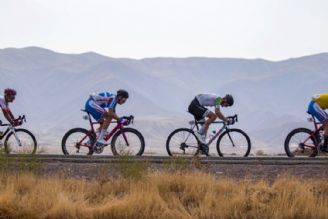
(288, 147)
(91, 136)
(194, 142)
(118, 150)
(8, 147)
(219, 144)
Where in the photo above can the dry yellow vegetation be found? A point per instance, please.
(161, 195)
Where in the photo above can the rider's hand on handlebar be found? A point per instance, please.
(123, 121)
(17, 122)
(230, 121)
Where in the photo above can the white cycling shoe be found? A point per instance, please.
(101, 142)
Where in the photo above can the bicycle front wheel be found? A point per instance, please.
(301, 142)
(182, 142)
(78, 141)
(129, 142)
(233, 143)
(21, 141)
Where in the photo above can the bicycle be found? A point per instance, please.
(18, 141)
(231, 142)
(303, 141)
(125, 141)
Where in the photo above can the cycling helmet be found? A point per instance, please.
(229, 99)
(122, 93)
(10, 91)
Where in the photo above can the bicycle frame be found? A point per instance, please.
(217, 134)
(107, 137)
(316, 124)
(5, 133)
(315, 132)
(9, 129)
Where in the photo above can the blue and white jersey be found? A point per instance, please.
(104, 99)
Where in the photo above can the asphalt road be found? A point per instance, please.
(164, 159)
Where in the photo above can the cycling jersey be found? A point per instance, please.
(97, 102)
(321, 100)
(3, 104)
(104, 99)
(209, 100)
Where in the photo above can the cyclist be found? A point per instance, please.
(9, 96)
(198, 109)
(317, 107)
(96, 105)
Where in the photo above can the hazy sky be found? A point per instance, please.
(270, 29)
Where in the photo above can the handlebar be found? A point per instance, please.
(20, 118)
(233, 118)
(129, 120)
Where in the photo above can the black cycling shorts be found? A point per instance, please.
(197, 110)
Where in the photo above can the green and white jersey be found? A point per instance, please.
(209, 100)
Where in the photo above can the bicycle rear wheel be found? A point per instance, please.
(78, 141)
(182, 142)
(301, 142)
(21, 141)
(233, 143)
(133, 144)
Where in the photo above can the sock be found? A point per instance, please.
(202, 130)
(102, 134)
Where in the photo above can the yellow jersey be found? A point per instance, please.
(321, 100)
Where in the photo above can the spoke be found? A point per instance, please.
(134, 146)
(183, 143)
(233, 143)
(20, 143)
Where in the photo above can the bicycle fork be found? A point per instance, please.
(233, 144)
(17, 139)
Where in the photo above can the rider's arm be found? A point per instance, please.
(113, 114)
(220, 115)
(8, 115)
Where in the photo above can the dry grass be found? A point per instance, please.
(161, 195)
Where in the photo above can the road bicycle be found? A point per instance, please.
(231, 141)
(18, 140)
(304, 141)
(124, 140)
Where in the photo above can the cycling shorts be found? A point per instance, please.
(94, 109)
(315, 110)
(197, 110)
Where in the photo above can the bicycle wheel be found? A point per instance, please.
(21, 141)
(133, 144)
(233, 143)
(182, 142)
(78, 141)
(301, 142)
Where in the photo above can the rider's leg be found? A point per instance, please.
(100, 115)
(211, 118)
(106, 118)
(322, 117)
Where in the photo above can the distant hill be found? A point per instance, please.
(271, 97)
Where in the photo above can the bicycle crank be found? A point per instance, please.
(98, 149)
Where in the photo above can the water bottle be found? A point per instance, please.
(212, 134)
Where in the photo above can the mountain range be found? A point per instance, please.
(270, 97)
